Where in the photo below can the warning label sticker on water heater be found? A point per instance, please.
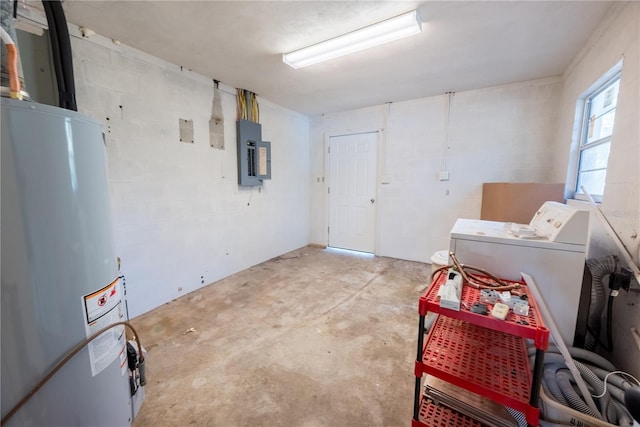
(103, 308)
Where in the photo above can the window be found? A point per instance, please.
(595, 140)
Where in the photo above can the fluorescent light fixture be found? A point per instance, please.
(391, 29)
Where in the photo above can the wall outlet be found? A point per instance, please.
(443, 175)
(385, 179)
(500, 311)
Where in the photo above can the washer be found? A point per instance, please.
(554, 257)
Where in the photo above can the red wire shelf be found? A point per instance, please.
(487, 362)
(433, 415)
(531, 326)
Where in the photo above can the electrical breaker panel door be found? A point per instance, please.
(263, 160)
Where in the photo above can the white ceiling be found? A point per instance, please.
(464, 44)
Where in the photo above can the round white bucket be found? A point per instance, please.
(439, 259)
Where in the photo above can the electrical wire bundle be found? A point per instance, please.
(247, 106)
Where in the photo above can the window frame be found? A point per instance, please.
(602, 85)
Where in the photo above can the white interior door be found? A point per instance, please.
(352, 191)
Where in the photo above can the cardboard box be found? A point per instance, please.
(517, 202)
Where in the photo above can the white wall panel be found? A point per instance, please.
(496, 134)
(178, 211)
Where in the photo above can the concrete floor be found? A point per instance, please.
(312, 338)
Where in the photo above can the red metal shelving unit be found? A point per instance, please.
(484, 355)
(433, 415)
(531, 326)
(486, 362)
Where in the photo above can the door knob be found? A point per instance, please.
(373, 201)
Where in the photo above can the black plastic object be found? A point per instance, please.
(132, 357)
(621, 279)
(632, 402)
(143, 374)
(479, 308)
(132, 385)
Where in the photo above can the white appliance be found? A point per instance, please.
(59, 273)
(551, 249)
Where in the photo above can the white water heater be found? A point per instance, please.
(59, 273)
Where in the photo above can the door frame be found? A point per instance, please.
(380, 143)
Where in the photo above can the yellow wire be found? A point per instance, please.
(238, 102)
(242, 105)
(247, 106)
(247, 99)
(255, 109)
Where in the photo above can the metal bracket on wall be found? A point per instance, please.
(186, 130)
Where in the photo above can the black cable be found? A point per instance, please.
(65, 54)
(609, 346)
(55, 53)
(598, 340)
(61, 53)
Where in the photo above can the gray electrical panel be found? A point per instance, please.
(254, 154)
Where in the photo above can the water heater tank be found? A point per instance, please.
(59, 273)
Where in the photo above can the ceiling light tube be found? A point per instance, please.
(385, 31)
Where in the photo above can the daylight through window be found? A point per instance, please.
(597, 130)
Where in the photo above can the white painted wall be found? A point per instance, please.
(180, 219)
(179, 214)
(617, 36)
(496, 134)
